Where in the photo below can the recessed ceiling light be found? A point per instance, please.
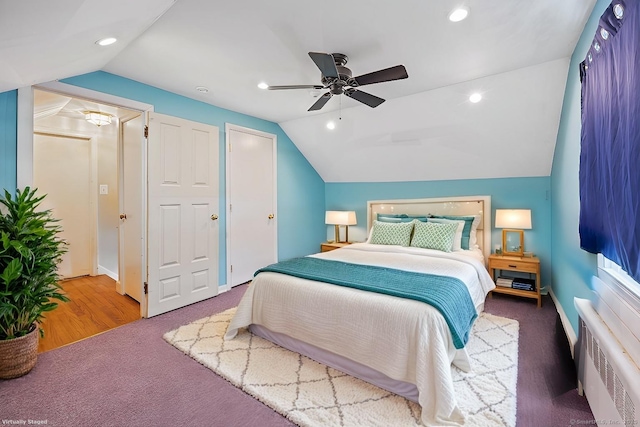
(263, 85)
(202, 89)
(475, 97)
(458, 14)
(331, 125)
(106, 41)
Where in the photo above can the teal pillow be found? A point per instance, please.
(386, 233)
(433, 235)
(389, 219)
(466, 231)
(400, 218)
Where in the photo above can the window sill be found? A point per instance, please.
(629, 292)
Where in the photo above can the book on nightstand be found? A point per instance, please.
(524, 284)
(505, 282)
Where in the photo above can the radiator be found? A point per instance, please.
(608, 355)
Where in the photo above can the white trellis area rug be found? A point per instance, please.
(314, 395)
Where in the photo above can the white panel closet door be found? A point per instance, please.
(62, 171)
(183, 210)
(251, 191)
(132, 208)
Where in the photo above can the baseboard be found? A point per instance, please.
(103, 270)
(223, 288)
(566, 324)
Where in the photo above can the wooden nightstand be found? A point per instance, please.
(326, 247)
(521, 265)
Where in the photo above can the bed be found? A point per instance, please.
(402, 345)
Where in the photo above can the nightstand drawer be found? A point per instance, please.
(515, 265)
(326, 247)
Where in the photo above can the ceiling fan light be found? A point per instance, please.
(331, 125)
(458, 14)
(263, 85)
(339, 80)
(98, 118)
(475, 97)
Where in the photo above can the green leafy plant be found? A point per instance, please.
(30, 251)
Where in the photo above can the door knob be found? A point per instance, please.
(123, 216)
(270, 216)
(214, 217)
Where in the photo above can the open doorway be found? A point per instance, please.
(79, 165)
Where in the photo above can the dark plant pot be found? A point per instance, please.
(18, 356)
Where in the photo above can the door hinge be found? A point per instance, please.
(232, 268)
(230, 207)
(229, 147)
(146, 288)
(146, 131)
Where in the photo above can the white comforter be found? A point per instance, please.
(406, 340)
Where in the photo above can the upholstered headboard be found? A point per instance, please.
(467, 205)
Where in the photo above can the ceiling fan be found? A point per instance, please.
(338, 79)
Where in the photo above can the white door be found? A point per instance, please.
(62, 170)
(131, 239)
(251, 194)
(183, 213)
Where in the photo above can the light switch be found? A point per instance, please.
(104, 189)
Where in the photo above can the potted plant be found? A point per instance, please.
(30, 251)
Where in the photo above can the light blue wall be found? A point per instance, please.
(8, 139)
(303, 196)
(300, 188)
(573, 267)
(506, 193)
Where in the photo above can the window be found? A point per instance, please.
(610, 144)
(610, 271)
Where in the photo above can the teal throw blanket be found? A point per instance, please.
(447, 294)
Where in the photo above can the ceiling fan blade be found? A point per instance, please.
(364, 97)
(325, 63)
(388, 74)
(316, 87)
(320, 102)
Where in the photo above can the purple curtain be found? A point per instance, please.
(610, 140)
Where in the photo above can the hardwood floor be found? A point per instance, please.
(95, 307)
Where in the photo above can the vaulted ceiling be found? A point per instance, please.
(514, 53)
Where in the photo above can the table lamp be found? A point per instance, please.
(513, 222)
(338, 218)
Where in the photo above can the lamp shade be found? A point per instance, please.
(340, 218)
(513, 218)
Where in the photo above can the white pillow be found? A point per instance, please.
(457, 238)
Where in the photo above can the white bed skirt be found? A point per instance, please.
(341, 363)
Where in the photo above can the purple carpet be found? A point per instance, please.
(131, 377)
